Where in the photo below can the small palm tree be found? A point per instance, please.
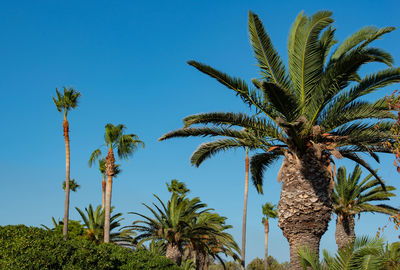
(352, 197)
(94, 224)
(65, 102)
(102, 169)
(73, 185)
(363, 253)
(126, 145)
(269, 211)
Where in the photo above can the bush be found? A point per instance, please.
(24, 247)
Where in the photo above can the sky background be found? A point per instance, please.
(128, 59)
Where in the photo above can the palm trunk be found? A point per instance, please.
(67, 167)
(304, 209)
(246, 189)
(174, 253)
(201, 261)
(110, 161)
(344, 233)
(266, 231)
(103, 185)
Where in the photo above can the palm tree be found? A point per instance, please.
(65, 102)
(187, 227)
(269, 211)
(362, 253)
(73, 185)
(352, 197)
(94, 224)
(126, 145)
(308, 115)
(102, 169)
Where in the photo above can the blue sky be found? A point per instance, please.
(128, 59)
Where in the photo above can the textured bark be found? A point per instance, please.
(246, 190)
(67, 170)
(266, 231)
(304, 209)
(103, 185)
(344, 233)
(174, 253)
(110, 161)
(201, 261)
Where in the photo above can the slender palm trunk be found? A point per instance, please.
(246, 189)
(344, 233)
(174, 253)
(67, 166)
(266, 231)
(103, 185)
(304, 208)
(110, 161)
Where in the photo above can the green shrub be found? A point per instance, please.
(24, 247)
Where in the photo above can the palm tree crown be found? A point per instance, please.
(114, 137)
(352, 196)
(66, 101)
(316, 105)
(269, 211)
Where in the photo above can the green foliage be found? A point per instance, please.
(269, 211)
(363, 253)
(67, 100)
(273, 264)
(94, 225)
(352, 196)
(73, 185)
(228, 266)
(24, 247)
(187, 224)
(177, 187)
(317, 105)
(75, 228)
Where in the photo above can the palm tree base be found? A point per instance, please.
(344, 233)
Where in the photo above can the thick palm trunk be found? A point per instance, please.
(201, 261)
(103, 185)
(67, 170)
(344, 233)
(110, 161)
(304, 208)
(266, 231)
(246, 189)
(174, 253)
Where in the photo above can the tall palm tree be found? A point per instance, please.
(65, 102)
(102, 169)
(308, 115)
(352, 197)
(126, 145)
(269, 211)
(246, 192)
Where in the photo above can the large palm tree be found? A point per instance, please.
(126, 145)
(309, 114)
(352, 197)
(269, 211)
(65, 102)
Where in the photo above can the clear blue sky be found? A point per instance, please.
(128, 59)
